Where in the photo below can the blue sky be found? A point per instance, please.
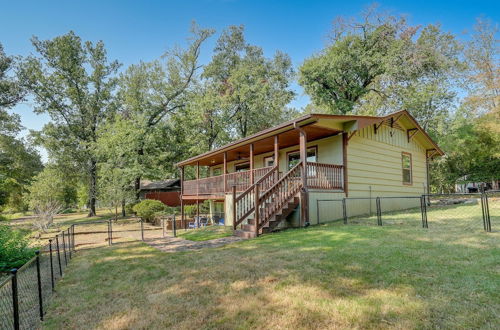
(143, 30)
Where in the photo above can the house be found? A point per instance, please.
(284, 170)
(167, 191)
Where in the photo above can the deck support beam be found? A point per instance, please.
(182, 193)
(252, 179)
(276, 152)
(345, 140)
(224, 171)
(304, 195)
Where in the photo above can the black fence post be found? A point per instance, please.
(69, 243)
(487, 213)
(379, 211)
(74, 237)
(174, 225)
(59, 255)
(15, 299)
(423, 210)
(64, 249)
(111, 232)
(39, 282)
(142, 229)
(51, 265)
(344, 211)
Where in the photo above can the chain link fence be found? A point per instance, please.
(470, 211)
(26, 292)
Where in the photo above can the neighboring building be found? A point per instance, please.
(167, 191)
(317, 156)
(464, 185)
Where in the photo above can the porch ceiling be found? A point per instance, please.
(286, 139)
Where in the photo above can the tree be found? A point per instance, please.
(245, 91)
(19, 161)
(382, 64)
(151, 92)
(73, 82)
(47, 195)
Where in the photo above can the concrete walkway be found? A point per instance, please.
(177, 244)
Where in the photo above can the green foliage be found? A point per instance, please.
(147, 208)
(382, 64)
(14, 248)
(74, 83)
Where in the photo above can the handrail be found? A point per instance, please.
(246, 191)
(247, 198)
(278, 194)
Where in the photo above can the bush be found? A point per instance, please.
(14, 248)
(129, 208)
(147, 208)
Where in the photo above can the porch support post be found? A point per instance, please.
(197, 222)
(304, 194)
(224, 171)
(345, 140)
(197, 178)
(252, 179)
(276, 152)
(182, 193)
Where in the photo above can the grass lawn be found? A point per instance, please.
(206, 233)
(326, 276)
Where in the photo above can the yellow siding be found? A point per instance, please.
(374, 163)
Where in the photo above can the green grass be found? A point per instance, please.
(206, 233)
(327, 276)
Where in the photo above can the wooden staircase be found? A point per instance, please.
(268, 202)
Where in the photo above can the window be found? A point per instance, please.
(216, 171)
(242, 167)
(294, 157)
(269, 161)
(407, 170)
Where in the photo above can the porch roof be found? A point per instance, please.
(317, 126)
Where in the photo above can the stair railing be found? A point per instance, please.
(274, 198)
(244, 204)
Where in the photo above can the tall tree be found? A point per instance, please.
(252, 90)
(73, 81)
(151, 92)
(381, 64)
(19, 161)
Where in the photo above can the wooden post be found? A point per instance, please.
(304, 195)
(252, 179)
(197, 222)
(197, 178)
(224, 171)
(276, 152)
(257, 215)
(303, 156)
(344, 160)
(182, 193)
(234, 207)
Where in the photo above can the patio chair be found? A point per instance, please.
(203, 222)
(194, 224)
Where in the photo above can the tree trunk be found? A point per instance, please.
(92, 188)
(123, 208)
(137, 186)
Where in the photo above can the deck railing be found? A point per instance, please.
(319, 176)
(214, 185)
(325, 176)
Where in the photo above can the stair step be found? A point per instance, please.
(244, 234)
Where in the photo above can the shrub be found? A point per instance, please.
(129, 208)
(147, 208)
(14, 248)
